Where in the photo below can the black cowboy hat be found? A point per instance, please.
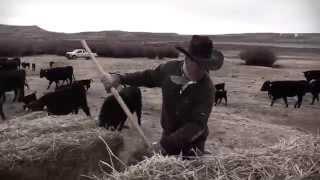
(202, 52)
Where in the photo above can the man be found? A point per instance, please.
(187, 94)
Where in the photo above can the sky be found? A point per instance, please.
(173, 16)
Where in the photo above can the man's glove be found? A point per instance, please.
(113, 82)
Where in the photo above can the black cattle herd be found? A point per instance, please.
(297, 88)
(70, 94)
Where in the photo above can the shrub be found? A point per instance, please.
(258, 56)
(150, 52)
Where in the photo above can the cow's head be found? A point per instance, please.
(266, 86)
(43, 73)
(307, 74)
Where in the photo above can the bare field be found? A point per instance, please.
(247, 121)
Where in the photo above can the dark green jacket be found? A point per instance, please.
(184, 115)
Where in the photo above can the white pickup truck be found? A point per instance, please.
(79, 53)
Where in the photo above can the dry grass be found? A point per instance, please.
(37, 146)
(296, 158)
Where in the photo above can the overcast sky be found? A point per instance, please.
(178, 16)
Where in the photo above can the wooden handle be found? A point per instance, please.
(116, 95)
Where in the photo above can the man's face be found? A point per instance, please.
(195, 71)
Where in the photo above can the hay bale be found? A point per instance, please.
(61, 147)
(296, 158)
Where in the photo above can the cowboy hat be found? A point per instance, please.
(202, 52)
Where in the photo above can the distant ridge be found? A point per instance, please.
(38, 33)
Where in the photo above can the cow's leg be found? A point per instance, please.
(16, 94)
(226, 100)
(272, 101)
(76, 110)
(317, 97)
(70, 80)
(50, 82)
(1, 106)
(26, 84)
(57, 83)
(21, 94)
(314, 96)
(138, 112)
(86, 110)
(285, 100)
(1, 112)
(220, 100)
(299, 102)
(4, 97)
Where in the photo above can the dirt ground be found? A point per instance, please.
(247, 121)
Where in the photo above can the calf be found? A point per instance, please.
(63, 101)
(312, 75)
(219, 95)
(28, 99)
(111, 113)
(314, 88)
(284, 89)
(57, 74)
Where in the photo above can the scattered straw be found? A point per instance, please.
(297, 158)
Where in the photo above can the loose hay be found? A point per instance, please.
(296, 158)
(61, 147)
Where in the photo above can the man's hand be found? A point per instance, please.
(113, 82)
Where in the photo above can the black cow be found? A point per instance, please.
(25, 65)
(312, 75)
(314, 89)
(33, 65)
(11, 81)
(9, 64)
(63, 101)
(57, 74)
(28, 99)
(111, 113)
(284, 89)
